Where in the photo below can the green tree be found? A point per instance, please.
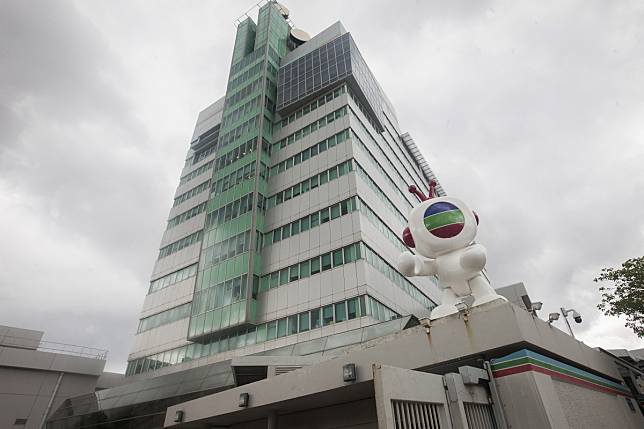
(626, 296)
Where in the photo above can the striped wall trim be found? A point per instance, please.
(526, 360)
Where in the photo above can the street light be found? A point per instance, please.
(575, 315)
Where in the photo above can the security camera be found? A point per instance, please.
(576, 316)
(552, 317)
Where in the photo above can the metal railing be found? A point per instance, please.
(53, 347)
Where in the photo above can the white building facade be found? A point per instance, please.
(287, 221)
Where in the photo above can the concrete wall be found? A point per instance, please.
(26, 393)
(586, 408)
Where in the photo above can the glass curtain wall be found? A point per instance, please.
(229, 269)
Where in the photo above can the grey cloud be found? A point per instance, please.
(530, 112)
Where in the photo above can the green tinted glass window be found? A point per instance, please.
(315, 265)
(271, 330)
(304, 321)
(292, 325)
(305, 269)
(340, 312)
(352, 308)
(315, 318)
(326, 262)
(335, 211)
(327, 315)
(337, 258)
(281, 327)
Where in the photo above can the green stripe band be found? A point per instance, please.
(444, 218)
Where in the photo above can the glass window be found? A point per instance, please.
(305, 186)
(324, 177)
(281, 327)
(327, 315)
(275, 279)
(315, 318)
(306, 154)
(261, 333)
(315, 265)
(295, 227)
(284, 276)
(295, 272)
(304, 224)
(305, 269)
(324, 215)
(352, 308)
(315, 219)
(326, 262)
(286, 231)
(314, 181)
(304, 322)
(335, 211)
(292, 325)
(340, 312)
(271, 330)
(333, 173)
(337, 258)
(349, 253)
(363, 306)
(322, 146)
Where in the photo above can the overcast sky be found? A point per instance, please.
(532, 112)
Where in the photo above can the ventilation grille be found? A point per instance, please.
(479, 416)
(416, 415)
(279, 370)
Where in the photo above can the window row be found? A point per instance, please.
(203, 154)
(246, 61)
(194, 173)
(191, 193)
(310, 152)
(299, 323)
(404, 164)
(310, 267)
(172, 278)
(321, 101)
(219, 295)
(400, 180)
(362, 174)
(314, 126)
(235, 98)
(226, 249)
(189, 240)
(240, 130)
(241, 111)
(311, 221)
(188, 214)
(239, 152)
(244, 172)
(376, 261)
(163, 318)
(234, 209)
(243, 77)
(311, 183)
(381, 226)
(394, 186)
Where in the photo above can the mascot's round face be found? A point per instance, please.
(444, 220)
(440, 225)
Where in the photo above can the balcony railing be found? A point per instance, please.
(52, 347)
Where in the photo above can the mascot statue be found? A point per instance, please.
(442, 231)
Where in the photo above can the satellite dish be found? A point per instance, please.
(283, 10)
(299, 36)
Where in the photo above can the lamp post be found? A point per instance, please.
(575, 316)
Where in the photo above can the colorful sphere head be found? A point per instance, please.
(443, 219)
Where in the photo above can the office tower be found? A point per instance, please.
(286, 224)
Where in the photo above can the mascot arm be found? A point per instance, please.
(413, 265)
(474, 258)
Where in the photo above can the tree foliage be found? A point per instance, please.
(626, 296)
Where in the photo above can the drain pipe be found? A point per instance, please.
(497, 407)
(51, 400)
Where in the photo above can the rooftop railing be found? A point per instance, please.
(52, 347)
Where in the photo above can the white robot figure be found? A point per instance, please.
(442, 230)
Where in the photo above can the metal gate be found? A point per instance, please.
(407, 399)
